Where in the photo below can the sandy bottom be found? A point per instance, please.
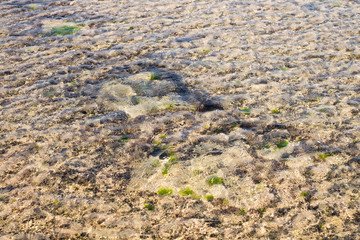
(179, 119)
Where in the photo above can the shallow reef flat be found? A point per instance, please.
(179, 119)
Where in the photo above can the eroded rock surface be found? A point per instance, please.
(179, 119)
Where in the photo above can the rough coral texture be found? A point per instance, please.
(104, 103)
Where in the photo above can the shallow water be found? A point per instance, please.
(103, 104)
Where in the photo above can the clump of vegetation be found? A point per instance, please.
(162, 136)
(283, 69)
(32, 7)
(130, 28)
(323, 110)
(149, 207)
(246, 111)
(134, 100)
(234, 127)
(154, 76)
(197, 172)
(267, 146)
(206, 51)
(166, 169)
(304, 194)
(261, 211)
(64, 30)
(124, 138)
(165, 191)
(186, 191)
(323, 156)
(209, 197)
(275, 111)
(282, 143)
(212, 180)
(173, 159)
(242, 212)
(170, 107)
(156, 163)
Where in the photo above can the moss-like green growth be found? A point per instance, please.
(206, 51)
(267, 146)
(124, 139)
(282, 143)
(149, 207)
(242, 212)
(130, 28)
(32, 7)
(246, 111)
(212, 180)
(275, 111)
(173, 159)
(261, 211)
(283, 69)
(304, 194)
(165, 191)
(154, 76)
(209, 197)
(134, 100)
(197, 172)
(156, 142)
(323, 155)
(64, 30)
(156, 163)
(186, 191)
(166, 169)
(162, 136)
(323, 110)
(170, 107)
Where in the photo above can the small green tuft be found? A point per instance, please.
(166, 169)
(323, 155)
(246, 111)
(212, 180)
(156, 163)
(206, 51)
(156, 142)
(282, 143)
(186, 191)
(267, 146)
(170, 107)
(64, 30)
(165, 191)
(154, 76)
(304, 194)
(162, 136)
(149, 207)
(242, 212)
(130, 28)
(209, 197)
(197, 172)
(173, 159)
(275, 111)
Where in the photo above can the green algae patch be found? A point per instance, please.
(165, 191)
(64, 30)
(212, 180)
(186, 191)
(282, 143)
